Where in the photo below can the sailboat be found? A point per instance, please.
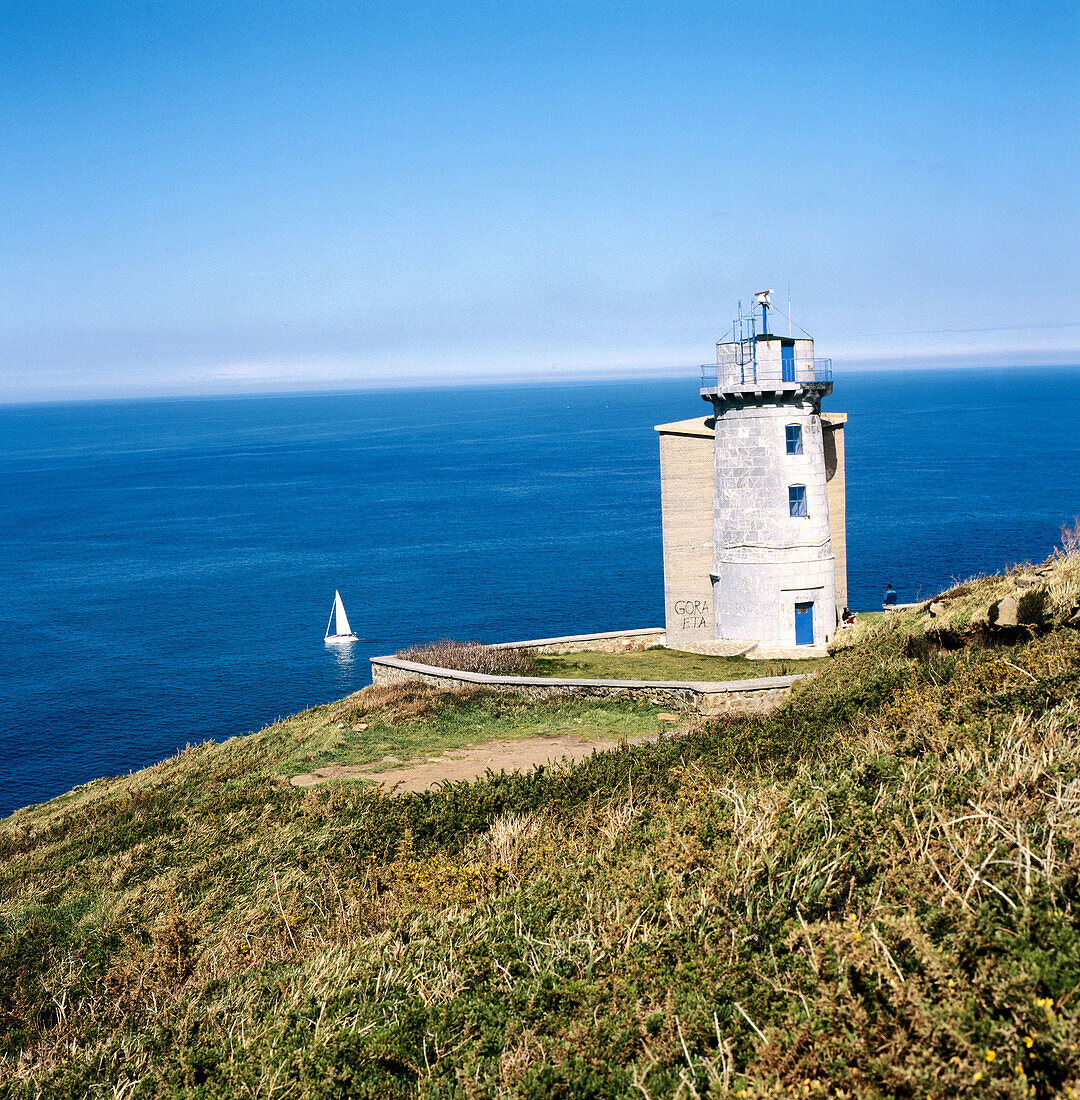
(342, 630)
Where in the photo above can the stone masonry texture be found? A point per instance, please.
(765, 560)
(739, 697)
(757, 561)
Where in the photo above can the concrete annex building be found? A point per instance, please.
(753, 498)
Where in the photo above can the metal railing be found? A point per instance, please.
(730, 374)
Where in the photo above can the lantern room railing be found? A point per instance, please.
(730, 374)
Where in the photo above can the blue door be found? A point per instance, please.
(804, 624)
(787, 362)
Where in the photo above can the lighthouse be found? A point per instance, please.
(753, 499)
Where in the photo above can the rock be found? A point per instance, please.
(359, 727)
(1003, 613)
(664, 716)
(935, 608)
(1073, 618)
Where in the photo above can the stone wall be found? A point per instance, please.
(614, 641)
(757, 696)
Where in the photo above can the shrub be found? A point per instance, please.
(472, 657)
(1033, 607)
(401, 702)
(1070, 539)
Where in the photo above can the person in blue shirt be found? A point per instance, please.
(890, 596)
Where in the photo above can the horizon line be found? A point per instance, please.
(339, 387)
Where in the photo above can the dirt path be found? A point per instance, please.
(469, 762)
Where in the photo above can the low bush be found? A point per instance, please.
(469, 656)
(1070, 539)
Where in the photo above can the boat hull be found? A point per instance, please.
(332, 639)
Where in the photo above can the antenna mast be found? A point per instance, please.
(763, 299)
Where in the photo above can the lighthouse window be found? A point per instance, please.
(794, 439)
(796, 496)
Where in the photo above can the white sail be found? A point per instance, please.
(341, 620)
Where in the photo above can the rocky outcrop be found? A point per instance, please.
(1003, 613)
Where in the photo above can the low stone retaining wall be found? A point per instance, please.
(758, 696)
(614, 641)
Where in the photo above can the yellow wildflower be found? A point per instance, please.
(977, 1077)
(991, 1055)
(1029, 1042)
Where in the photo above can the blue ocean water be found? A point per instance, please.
(167, 567)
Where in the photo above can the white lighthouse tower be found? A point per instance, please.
(776, 465)
(774, 575)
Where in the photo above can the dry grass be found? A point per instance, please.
(1070, 539)
(407, 701)
(472, 657)
(1046, 595)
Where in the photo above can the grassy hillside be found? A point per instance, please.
(873, 893)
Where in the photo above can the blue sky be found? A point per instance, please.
(224, 197)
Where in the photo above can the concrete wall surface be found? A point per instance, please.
(836, 483)
(686, 479)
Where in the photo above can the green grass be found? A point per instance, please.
(660, 663)
(873, 893)
(420, 722)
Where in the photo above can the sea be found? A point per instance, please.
(167, 567)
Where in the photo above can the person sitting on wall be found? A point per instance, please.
(890, 596)
(848, 617)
